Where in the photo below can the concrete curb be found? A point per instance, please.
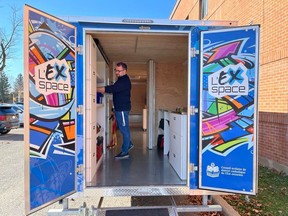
(227, 209)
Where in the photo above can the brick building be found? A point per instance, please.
(273, 84)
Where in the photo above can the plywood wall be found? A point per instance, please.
(138, 75)
(171, 86)
(138, 97)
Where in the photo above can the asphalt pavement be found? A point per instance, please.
(12, 197)
(12, 181)
(12, 173)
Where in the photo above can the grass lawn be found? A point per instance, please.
(272, 197)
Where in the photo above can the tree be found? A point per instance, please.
(8, 39)
(18, 88)
(4, 88)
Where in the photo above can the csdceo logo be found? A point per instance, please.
(53, 77)
(231, 80)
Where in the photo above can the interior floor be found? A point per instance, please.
(144, 167)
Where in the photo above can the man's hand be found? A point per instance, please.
(101, 90)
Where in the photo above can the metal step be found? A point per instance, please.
(137, 212)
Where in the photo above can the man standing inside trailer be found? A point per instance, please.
(121, 91)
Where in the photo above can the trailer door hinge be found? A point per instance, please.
(193, 168)
(79, 109)
(193, 110)
(79, 49)
(194, 52)
(80, 169)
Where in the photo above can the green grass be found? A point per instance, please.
(272, 197)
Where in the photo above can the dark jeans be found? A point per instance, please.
(122, 119)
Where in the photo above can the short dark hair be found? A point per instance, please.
(124, 66)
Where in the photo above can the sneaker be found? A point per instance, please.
(130, 147)
(122, 155)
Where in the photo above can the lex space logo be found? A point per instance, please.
(53, 77)
(231, 80)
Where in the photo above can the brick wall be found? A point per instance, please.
(273, 74)
(185, 9)
(273, 137)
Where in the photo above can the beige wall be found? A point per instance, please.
(138, 97)
(138, 75)
(171, 84)
(171, 81)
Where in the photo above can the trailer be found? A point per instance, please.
(196, 80)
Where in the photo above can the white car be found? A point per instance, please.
(20, 110)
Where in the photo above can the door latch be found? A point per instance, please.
(79, 109)
(79, 49)
(193, 168)
(80, 169)
(193, 110)
(194, 52)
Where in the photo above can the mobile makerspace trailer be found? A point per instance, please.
(214, 62)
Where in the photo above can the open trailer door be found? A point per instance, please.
(228, 109)
(50, 104)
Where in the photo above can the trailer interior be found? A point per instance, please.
(147, 165)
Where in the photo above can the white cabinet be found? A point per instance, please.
(178, 143)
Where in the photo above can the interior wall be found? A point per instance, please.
(138, 76)
(171, 87)
(137, 71)
(138, 97)
(171, 83)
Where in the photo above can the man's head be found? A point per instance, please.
(121, 69)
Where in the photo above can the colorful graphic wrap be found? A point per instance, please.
(229, 80)
(52, 109)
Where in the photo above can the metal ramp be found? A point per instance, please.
(156, 206)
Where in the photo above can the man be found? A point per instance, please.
(121, 91)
